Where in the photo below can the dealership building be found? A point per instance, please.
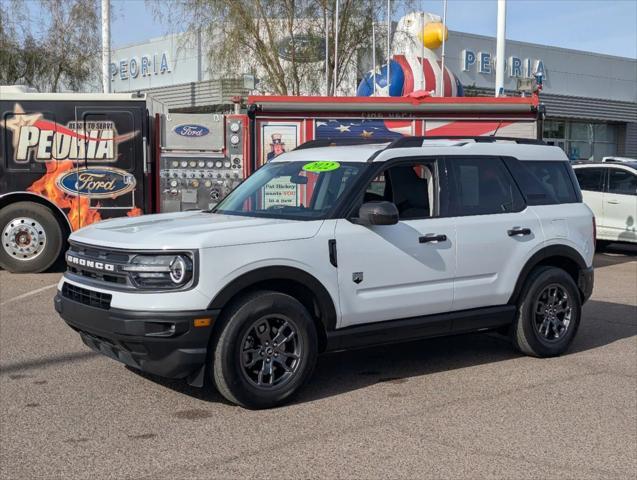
(590, 98)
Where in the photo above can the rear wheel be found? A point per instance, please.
(265, 351)
(548, 313)
(31, 237)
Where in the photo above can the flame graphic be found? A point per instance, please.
(134, 212)
(80, 214)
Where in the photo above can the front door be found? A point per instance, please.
(398, 271)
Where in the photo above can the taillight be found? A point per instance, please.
(594, 233)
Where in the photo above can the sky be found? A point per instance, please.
(602, 26)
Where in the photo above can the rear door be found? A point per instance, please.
(620, 204)
(495, 231)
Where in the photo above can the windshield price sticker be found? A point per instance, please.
(319, 167)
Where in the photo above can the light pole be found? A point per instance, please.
(106, 46)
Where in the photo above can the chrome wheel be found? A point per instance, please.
(23, 238)
(271, 352)
(552, 313)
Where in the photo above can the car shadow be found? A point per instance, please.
(339, 373)
(614, 254)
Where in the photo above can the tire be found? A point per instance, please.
(236, 374)
(31, 238)
(548, 334)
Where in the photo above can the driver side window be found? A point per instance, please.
(410, 186)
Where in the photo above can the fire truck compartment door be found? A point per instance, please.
(111, 172)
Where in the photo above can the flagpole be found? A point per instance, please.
(500, 59)
(442, 63)
(422, 48)
(374, 55)
(327, 55)
(106, 46)
(388, 41)
(336, 48)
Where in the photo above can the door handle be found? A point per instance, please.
(613, 202)
(518, 231)
(430, 237)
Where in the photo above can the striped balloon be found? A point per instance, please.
(418, 70)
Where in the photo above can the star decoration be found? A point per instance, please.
(366, 134)
(19, 120)
(343, 128)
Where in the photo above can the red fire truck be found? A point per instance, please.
(68, 160)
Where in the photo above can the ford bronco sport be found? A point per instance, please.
(334, 247)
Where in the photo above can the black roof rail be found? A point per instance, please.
(410, 142)
(341, 142)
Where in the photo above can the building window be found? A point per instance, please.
(582, 140)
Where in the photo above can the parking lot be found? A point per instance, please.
(460, 407)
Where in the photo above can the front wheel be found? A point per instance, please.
(31, 237)
(265, 351)
(548, 313)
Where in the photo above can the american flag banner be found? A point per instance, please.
(363, 128)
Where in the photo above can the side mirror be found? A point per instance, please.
(378, 213)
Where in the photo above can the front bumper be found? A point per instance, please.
(162, 343)
(585, 282)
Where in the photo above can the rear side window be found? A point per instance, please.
(544, 183)
(481, 186)
(622, 182)
(590, 179)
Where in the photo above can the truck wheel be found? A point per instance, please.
(31, 237)
(548, 314)
(266, 349)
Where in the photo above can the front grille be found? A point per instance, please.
(86, 296)
(90, 253)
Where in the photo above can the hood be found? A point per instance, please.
(192, 230)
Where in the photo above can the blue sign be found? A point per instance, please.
(97, 182)
(191, 130)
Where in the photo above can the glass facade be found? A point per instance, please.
(582, 140)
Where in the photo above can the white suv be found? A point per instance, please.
(329, 248)
(610, 190)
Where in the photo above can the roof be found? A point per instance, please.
(362, 153)
(584, 164)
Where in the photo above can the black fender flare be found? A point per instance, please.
(280, 273)
(551, 251)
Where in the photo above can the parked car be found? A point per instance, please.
(331, 248)
(618, 159)
(610, 189)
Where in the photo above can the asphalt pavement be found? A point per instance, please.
(459, 407)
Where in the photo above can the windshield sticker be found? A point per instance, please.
(318, 167)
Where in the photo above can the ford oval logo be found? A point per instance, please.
(191, 130)
(97, 182)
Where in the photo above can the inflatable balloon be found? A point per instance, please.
(416, 40)
(396, 82)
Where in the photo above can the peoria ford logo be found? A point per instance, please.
(191, 130)
(97, 182)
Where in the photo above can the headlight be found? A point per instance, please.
(160, 271)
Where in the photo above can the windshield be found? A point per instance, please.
(292, 190)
